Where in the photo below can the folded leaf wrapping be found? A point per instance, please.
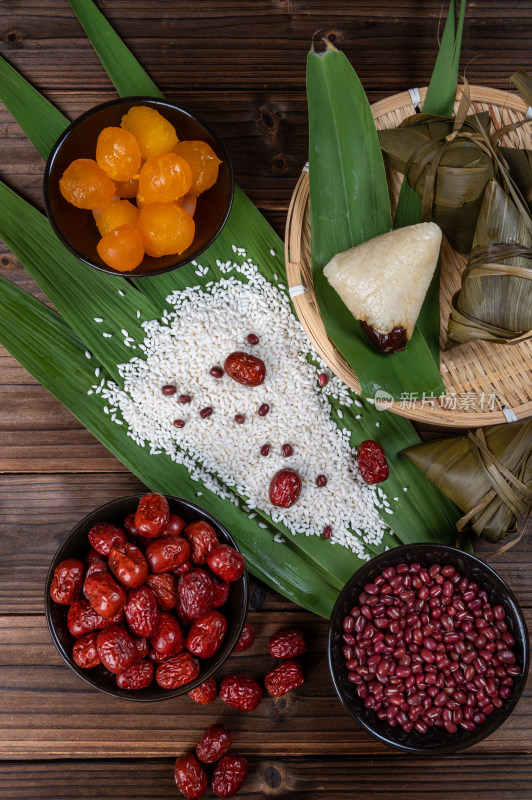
(488, 474)
(448, 168)
(495, 299)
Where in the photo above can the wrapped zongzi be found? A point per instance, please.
(495, 299)
(383, 281)
(448, 162)
(487, 474)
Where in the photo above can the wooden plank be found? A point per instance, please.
(271, 39)
(403, 777)
(47, 713)
(36, 428)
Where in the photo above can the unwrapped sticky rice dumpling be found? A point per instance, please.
(383, 281)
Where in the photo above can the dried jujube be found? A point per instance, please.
(190, 777)
(214, 743)
(207, 634)
(229, 775)
(283, 678)
(67, 581)
(177, 670)
(152, 515)
(240, 691)
(206, 693)
(226, 563)
(287, 644)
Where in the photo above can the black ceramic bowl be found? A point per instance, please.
(76, 545)
(435, 740)
(76, 227)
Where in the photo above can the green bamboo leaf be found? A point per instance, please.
(120, 64)
(439, 100)
(48, 348)
(79, 294)
(349, 204)
(38, 118)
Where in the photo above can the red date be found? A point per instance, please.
(186, 566)
(167, 553)
(283, 678)
(142, 611)
(129, 525)
(98, 564)
(229, 775)
(195, 593)
(285, 488)
(85, 652)
(177, 671)
(239, 691)
(220, 591)
(104, 535)
(142, 645)
(138, 676)
(246, 638)
(190, 777)
(164, 587)
(152, 515)
(287, 644)
(168, 638)
(226, 562)
(104, 594)
(82, 619)
(371, 460)
(128, 565)
(202, 538)
(207, 634)
(206, 693)
(245, 369)
(175, 526)
(214, 743)
(67, 581)
(116, 649)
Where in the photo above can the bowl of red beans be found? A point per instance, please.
(147, 597)
(428, 648)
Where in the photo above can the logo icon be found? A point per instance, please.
(383, 400)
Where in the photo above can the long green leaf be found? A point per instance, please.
(82, 295)
(438, 100)
(410, 520)
(47, 347)
(116, 58)
(38, 118)
(349, 204)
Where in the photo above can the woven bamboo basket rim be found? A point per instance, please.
(485, 383)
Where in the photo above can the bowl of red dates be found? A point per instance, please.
(146, 597)
(428, 648)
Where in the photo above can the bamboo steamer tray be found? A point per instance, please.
(485, 383)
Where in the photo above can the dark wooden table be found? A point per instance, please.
(241, 66)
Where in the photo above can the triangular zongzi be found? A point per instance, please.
(488, 475)
(383, 281)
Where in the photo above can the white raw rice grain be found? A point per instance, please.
(208, 323)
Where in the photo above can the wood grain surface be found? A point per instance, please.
(240, 66)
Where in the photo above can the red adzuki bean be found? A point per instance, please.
(425, 648)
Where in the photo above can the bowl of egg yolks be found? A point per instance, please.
(138, 186)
